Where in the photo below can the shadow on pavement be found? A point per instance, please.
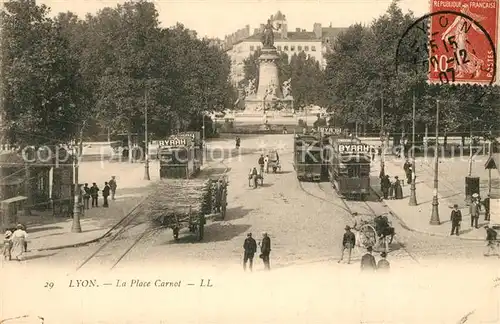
(45, 228)
(37, 256)
(214, 232)
(266, 185)
(236, 213)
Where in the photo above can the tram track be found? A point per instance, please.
(358, 208)
(123, 230)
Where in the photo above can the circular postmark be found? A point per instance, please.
(450, 47)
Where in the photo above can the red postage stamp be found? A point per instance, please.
(463, 41)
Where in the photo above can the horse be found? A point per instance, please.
(383, 228)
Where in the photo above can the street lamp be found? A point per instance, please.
(413, 196)
(146, 141)
(76, 226)
(382, 134)
(435, 203)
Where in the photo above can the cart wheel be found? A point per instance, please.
(176, 233)
(368, 235)
(199, 232)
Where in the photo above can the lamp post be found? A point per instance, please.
(76, 226)
(413, 196)
(146, 140)
(382, 134)
(435, 203)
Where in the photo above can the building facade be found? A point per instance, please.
(315, 43)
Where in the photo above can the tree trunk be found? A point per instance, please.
(27, 189)
(109, 135)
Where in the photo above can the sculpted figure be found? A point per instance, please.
(287, 88)
(268, 34)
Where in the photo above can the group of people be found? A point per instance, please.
(391, 190)
(15, 243)
(474, 209)
(93, 192)
(368, 262)
(250, 248)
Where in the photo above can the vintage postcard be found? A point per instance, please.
(275, 161)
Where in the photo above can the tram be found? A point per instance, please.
(197, 148)
(308, 158)
(177, 157)
(349, 167)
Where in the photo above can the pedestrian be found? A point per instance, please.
(383, 265)
(265, 250)
(406, 165)
(372, 150)
(112, 186)
(398, 190)
(94, 193)
(105, 194)
(474, 212)
(86, 195)
(486, 203)
(261, 163)
(456, 219)
(25, 243)
(385, 184)
(266, 163)
(18, 238)
(491, 239)
(368, 262)
(238, 142)
(285, 130)
(7, 246)
(250, 247)
(348, 243)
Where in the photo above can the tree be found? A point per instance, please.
(40, 80)
(307, 80)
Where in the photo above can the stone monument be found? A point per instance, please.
(269, 93)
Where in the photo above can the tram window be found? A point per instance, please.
(365, 170)
(354, 171)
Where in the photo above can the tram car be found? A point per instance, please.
(307, 157)
(197, 147)
(177, 157)
(349, 167)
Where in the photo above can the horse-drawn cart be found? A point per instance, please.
(376, 232)
(179, 204)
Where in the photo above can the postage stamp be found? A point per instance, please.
(463, 40)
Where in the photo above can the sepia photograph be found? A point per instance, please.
(257, 161)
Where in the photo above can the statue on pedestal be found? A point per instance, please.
(268, 35)
(287, 88)
(250, 89)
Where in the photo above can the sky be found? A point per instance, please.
(217, 18)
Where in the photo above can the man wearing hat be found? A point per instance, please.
(348, 242)
(368, 261)
(7, 246)
(456, 218)
(491, 238)
(250, 247)
(265, 250)
(486, 203)
(474, 211)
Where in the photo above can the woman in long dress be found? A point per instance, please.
(19, 237)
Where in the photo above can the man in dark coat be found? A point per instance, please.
(250, 247)
(112, 186)
(491, 239)
(94, 193)
(105, 194)
(456, 219)
(368, 262)
(86, 196)
(348, 243)
(385, 185)
(261, 163)
(265, 250)
(486, 203)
